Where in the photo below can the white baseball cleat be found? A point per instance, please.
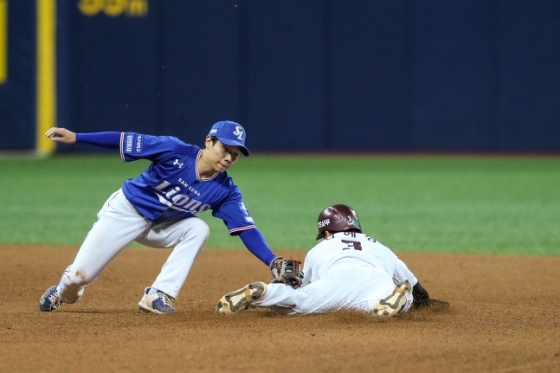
(241, 299)
(156, 301)
(395, 302)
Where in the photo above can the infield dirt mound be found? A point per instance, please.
(504, 317)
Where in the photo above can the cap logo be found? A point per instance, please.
(213, 130)
(239, 133)
(350, 220)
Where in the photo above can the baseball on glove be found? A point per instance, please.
(286, 271)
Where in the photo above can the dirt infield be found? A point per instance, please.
(504, 317)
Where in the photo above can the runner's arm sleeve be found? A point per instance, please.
(307, 272)
(256, 244)
(102, 139)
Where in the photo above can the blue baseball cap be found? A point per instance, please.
(230, 133)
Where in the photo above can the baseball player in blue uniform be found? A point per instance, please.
(158, 208)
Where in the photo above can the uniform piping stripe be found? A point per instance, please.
(121, 147)
(196, 168)
(242, 229)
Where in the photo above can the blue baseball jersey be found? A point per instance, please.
(171, 188)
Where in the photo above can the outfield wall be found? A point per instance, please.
(376, 75)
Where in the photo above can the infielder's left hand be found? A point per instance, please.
(61, 135)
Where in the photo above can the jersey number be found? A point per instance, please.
(356, 245)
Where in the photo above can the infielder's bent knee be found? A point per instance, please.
(197, 230)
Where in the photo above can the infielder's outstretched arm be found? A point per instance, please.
(103, 139)
(254, 241)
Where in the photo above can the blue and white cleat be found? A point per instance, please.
(156, 301)
(50, 301)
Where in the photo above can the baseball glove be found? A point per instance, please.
(286, 271)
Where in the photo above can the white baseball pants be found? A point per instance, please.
(117, 226)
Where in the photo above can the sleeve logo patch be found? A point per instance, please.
(128, 143)
(138, 145)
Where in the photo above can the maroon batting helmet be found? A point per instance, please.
(338, 218)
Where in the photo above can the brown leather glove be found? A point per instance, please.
(286, 271)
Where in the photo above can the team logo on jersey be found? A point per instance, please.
(169, 196)
(239, 133)
(178, 164)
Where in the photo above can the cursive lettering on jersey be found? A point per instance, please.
(170, 196)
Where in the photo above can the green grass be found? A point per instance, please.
(498, 205)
